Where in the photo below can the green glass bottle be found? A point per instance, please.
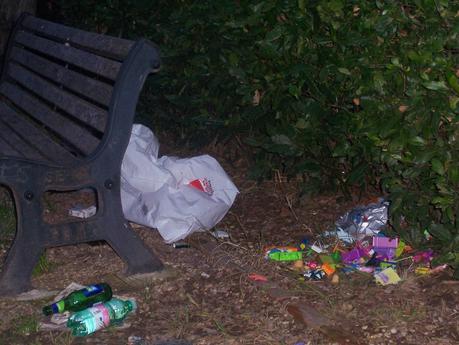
(80, 299)
(100, 316)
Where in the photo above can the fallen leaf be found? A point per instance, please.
(307, 315)
(256, 98)
(279, 294)
(257, 277)
(402, 108)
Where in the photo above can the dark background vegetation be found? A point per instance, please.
(348, 95)
(9, 11)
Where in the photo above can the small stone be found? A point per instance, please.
(335, 279)
(364, 327)
(430, 327)
(298, 265)
(348, 307)
(393, 330)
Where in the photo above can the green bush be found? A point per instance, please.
(346, 93)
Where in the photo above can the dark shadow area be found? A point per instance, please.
(7, 221)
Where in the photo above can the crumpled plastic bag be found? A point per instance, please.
(176, 196)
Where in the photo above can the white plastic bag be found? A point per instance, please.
(176, 196)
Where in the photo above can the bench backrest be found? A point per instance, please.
(77, 87)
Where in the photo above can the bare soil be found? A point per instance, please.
(209, 298)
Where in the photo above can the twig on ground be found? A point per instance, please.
(290, 206)
(233, 244)
(244, 230)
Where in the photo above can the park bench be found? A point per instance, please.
(67, 105)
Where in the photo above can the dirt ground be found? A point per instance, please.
(209, 299)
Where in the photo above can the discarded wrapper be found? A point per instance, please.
(356, 254)
(317, 248)
(422, 270)
(312, 265)
(221, 234)
(202, 184)
(385, 247)
(363, 221)
(387, 276)
(81, 212)
(424, 256)
(285, 256)
(317, 274)
(329, 269)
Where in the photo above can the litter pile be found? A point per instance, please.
(358, 244)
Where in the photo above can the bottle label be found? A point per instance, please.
(100, 318)
(118, 308)
(92, 290)
(58, 307)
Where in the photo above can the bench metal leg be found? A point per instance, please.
(125, 242)
(25, 250)
(33, 235)
(132, 250)
(18, 267)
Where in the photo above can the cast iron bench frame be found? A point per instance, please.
(67, 105)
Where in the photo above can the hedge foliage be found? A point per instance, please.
(346, 93)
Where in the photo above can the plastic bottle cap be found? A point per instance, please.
(133, 304)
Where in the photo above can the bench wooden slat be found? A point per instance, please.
(74, 134)
(90, 88)
(88, 113)
(64, 52)
(35, 137)
(16, 141)
(7, 150)
(105, 45)
(25, 150)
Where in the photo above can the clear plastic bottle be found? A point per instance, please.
(80, 299)
(100, 316)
